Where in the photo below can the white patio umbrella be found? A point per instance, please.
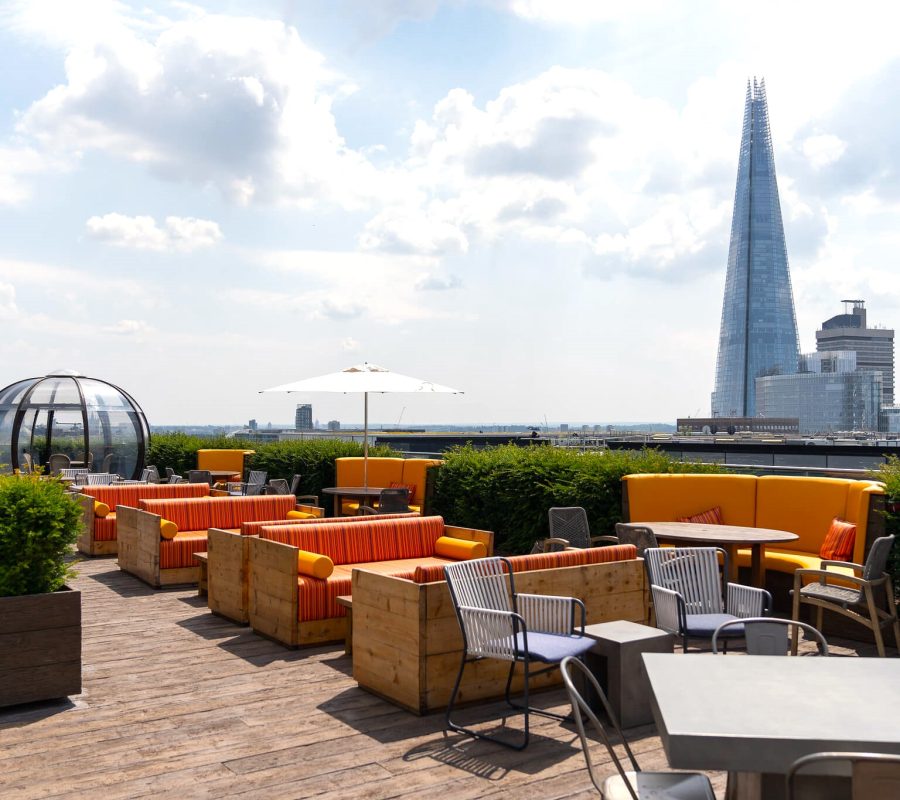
(367, 379)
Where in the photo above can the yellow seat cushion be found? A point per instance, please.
(301, 515)
(314, 564)
(167, 528)
(100, 509)
(790, 560)
(460, 549)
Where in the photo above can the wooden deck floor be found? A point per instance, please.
(178, 703)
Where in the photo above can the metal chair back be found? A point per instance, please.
(278, 486)
(770, 636)
(27, 462)
(873, 775)
(638, 535)
(199, 476)
(295, 484)
(170, 473)
(74, 473)
(255, 482)
(876, 561)
(56, 462)
(693, 572)
(393, 501)
(107, 464)
(101, 478)
(570, 523)
(479, 588)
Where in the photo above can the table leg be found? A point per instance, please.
(758, 565)
(731, 549)
(337, 505)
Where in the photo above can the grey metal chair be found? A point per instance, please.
(101, 478)
(199, 476)
(497, 622)
(254, 485)
(571, 523)
(56, 462)
(638, 535)
(107, 464)
(687, 589)
(874, 776)
(390, 501)
(150, 475)
(769, 636)
(170, 473)
(632, 784)
(856, 601)
(280, 486)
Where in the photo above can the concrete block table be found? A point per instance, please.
(616, 662)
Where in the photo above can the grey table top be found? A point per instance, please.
(729, 534)
(760, 713)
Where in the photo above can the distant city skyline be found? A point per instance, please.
(528, 200)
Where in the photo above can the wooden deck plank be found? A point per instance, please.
(179, 703)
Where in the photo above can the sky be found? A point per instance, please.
(528, 200)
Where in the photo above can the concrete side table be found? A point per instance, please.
(616, 662)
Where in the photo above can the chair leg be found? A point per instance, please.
(874, 621)
(453, 726)
(795, 615)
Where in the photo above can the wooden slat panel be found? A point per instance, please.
(229, 574)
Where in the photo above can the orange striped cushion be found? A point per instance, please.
(254, 528)
(406, 538)
(200, 513)
(129, 495)
(567, 558)
(179, 552)
(839, 541)
(712, 516)
(318, 598)
(105, 528)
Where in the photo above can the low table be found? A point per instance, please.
(202, 560)
(729, 538)
(616, 662)
(346, 601)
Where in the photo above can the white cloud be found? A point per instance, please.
(438, 283)
(823, 150)
(409, 231)
(239, 103)
(143, 233)
(349, 344)
(16, 164)
(8, 307)
(129, 327)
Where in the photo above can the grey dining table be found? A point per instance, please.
(755, 715)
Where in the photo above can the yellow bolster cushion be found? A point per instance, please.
(462, 549)
(167, 528)
(300, 515)
(100, 509)
(314, 564)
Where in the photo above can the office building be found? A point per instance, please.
(758, 333)
(303, 417)
(829, 394)
(874, 347)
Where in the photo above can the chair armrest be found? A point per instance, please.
(546, 545)
(747, 601)
(823, 575)
(311, 499)
(668, 606)
(609, 539)
(550, 613)
(366, 510)
(491, 633)
(850, 564)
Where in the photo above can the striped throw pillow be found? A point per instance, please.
(712, 516)
(839, 541)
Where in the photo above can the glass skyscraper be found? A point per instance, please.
(758, 334)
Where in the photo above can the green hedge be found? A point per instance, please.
(313, 459)
(890, 475)
(509, 489)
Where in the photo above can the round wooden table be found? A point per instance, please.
(356, 492)
(729, 538)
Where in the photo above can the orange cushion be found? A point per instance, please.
(100, 509)
(167, 528)
(314, 564)
(839, 541)
(712, 516)
(294, 514)
(462, 549)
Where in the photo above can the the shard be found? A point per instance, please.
(758, 335)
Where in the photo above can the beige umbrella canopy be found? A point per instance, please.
(364, 378)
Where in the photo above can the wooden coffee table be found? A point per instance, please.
(729, 538)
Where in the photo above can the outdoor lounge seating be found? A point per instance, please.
(412, 656)
(388, 473)
(228, 556)
(804, 506)
(499, 623)
(687, 593)
(630, 784)
(98, 536)
(865, 595)
(296, 604)
(158, 539)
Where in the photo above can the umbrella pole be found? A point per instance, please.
(365, 440)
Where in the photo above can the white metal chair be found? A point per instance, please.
(874, 776)
(630, 784)
(768, 636)
(101, 478)
(687, 593)
(76, 474)
(497, 622)
(857, 600)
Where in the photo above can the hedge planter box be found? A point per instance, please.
(40, 647)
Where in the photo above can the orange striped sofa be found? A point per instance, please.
(162, 555)
(298, 609)
(411, 473)
(228, 556)
(98, 536)
(406, 639)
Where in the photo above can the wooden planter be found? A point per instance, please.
(40, 647)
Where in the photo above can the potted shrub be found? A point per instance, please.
(40, 617)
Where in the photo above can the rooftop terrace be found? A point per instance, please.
(178, 703)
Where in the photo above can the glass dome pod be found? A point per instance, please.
(92, 422)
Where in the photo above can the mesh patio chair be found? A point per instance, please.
(27, 463)
(569, 528)
(638, 535)
(254, 485)
(769, 636)
(857, 601)
(280, 486)
(390, 501)
(873, 775)
(150, 475)
(686, 586)
(497, 622)
(107, 464)
(76, 474)
(101, 478)
(633, 783)
(199, 476)
(56, 462)
(170, 473)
